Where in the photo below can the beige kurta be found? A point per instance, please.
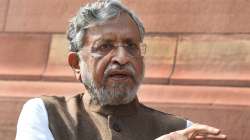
(77, 118)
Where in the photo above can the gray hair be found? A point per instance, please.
(93, 13)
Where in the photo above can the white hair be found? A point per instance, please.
(93, 13)
(118, 94)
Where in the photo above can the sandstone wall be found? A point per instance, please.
(197, 61)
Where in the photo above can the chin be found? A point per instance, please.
(117, 95)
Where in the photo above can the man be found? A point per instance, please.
(106, 55)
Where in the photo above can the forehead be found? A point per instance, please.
(119, 28)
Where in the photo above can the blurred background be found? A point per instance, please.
(197, 61)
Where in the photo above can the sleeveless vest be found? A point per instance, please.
(76, 118)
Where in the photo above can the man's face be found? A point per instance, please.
(113, 67)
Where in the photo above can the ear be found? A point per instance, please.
(73, 61)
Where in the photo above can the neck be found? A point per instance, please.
(117, 110)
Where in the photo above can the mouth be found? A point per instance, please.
(119, 76)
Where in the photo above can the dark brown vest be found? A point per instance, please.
(72, 119)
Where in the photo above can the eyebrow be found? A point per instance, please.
(105, 38)
(109, 38)
(128, 40)
(101, 40)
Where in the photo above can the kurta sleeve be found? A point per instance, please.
(189, 123)
(33, 122)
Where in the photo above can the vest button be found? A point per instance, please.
(116, 127)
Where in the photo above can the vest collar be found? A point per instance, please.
(114, 110)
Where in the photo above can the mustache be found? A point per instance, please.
(128, 68)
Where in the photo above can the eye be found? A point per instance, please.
(132, 48)
(105, 47)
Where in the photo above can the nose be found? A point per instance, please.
(120, 56)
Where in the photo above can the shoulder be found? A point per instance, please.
(35, 103)
(53, 100)
(159, 113)
(62, 114)
(33, 121)
(166, 119)
(59, 100)
(34, 108)
(60, 105)
(33, 112)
